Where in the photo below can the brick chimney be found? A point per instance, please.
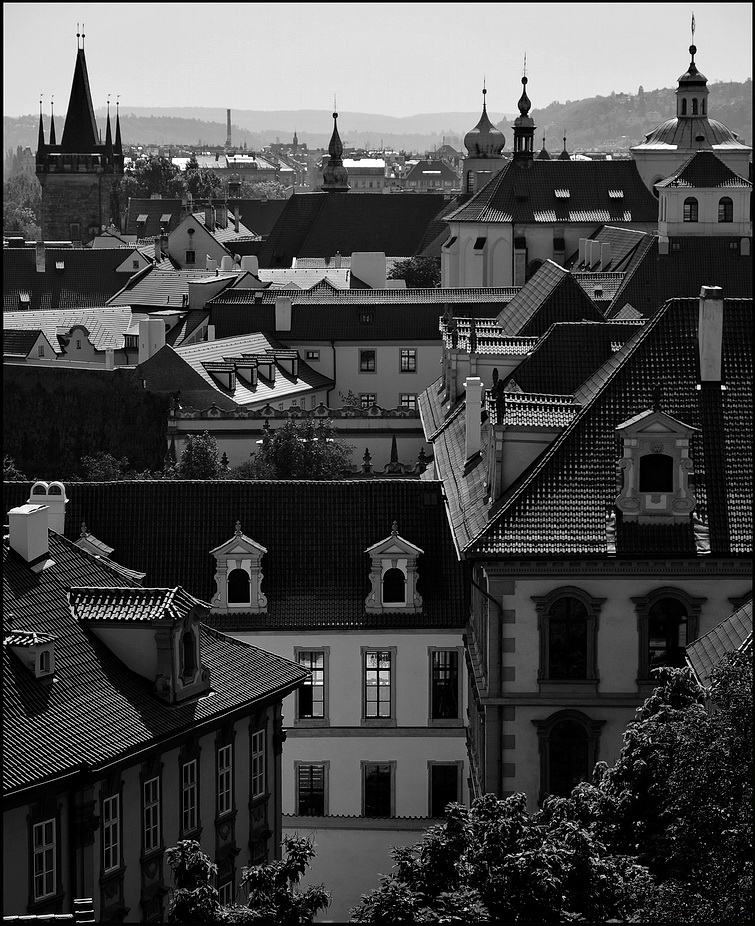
(710, 333)
(28, 525)
(473, 443)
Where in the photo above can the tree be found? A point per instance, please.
(201, 182)
(200, 458)
(155, 175)
(298, 450)
(104, 467)
(419, 272)
(274, 893)
(22, 204)
(10, 471)
(262, 189)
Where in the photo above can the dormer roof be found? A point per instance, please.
(703, 170)
(117, 605)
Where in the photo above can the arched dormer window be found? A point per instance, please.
(568, 625)
(667, 622)
(238, 575)
(725, 209)
(690, 209)
(393, 575)
(694, 106)
(238, 586)
(569, 743)
(684, 107)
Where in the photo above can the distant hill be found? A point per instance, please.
(616, 121)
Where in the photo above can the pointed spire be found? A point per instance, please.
(484, 140)
(52, 122)
(80, 132)
(564, 156)
(108, 133)
(41, 134)
(118, 145)
(335, 176)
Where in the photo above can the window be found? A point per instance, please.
(225, 779)
(258, 764)
(226, 893)
(667, 623)
(656, 473)
(378, 667)
(188, 655)
(311, 696)
(444, 685)
(694, 106)
(408, 400)
(189, 796)
(366, 399)
(43, 837)
(690, 209)
(191, 257)
(568, 623)
(365, 317)
(394, 587)
(75, 229)
(684, 107)
(78, 344)
(725, 210)
(367, 361)
(377, 789)
(313, 355)
(44, 660)
(311, 789)
(444, 786)
(134, 264)
(111, 832)
(568, 751)
(238, 587)
(41, 350)
(408, 360)
(151, 814)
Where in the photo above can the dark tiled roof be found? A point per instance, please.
(166, 372)
(437, 231)
(19, 341)
(704, 169)
(130, 605)
(550, 295)
(98, 710)
(319, 224)
(164, 288)
(691, 263)
(316, 573)
(154, 210)
(733, 634)
(627, 247)
(88, 277)
(529, 196)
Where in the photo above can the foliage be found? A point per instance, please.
(274, 893)
(22, 204)
(419, 272)
(262, 189)
(200, 458)
(103, 467)
(156, 175)
(10, 472)
(201, 182)
(298, 450)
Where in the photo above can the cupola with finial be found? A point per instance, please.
(335, 177)
(524, 126)
(692, 89)
(484, 140)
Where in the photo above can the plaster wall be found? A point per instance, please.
(85, 352)
(654, 165)
(707, 224)
(135, 646)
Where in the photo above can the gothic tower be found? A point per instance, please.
(80, 176)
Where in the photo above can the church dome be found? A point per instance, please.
(484, 140)
(695, 132)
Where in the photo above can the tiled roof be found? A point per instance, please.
(152, 210)
(98, 710)
(106, 325)
(529, 196)
(186, 327)
(685, 133)
(319, 224)
(627, 247)
(703, 169)
(550, 295)
(306, 278)
(88, 276)
(316, 573)
(437, 231)
(26, 638)
(168, 373)
(116, 605)
(165, 288)
(690, 263)
(733, 634)
(490, 339)
(19, 341)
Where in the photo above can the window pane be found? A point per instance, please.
(568, 754)
(311, 697)
(567, 642)
(311, 790)
(667, 633)
(377, 678)
(377, 791)
(443, 788)
(445, 686)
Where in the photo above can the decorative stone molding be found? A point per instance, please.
(238, 576)
(393, 575)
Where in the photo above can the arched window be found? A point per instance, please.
(667, 621)
(568, 621)
(690, 209)
(534, 266)
(725, 209)
(684, 107)
(702, 107)
(694, 106)
(188, 656)
(568, 751)
(44, 660)
(238, 587)
(394, 587)
(656, 473)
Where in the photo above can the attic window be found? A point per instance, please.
(562, 194)
(366, 317)
(165, 218)
(141, 219)
(60, 265)
(238, 576)
(616, 194)
(393, 576)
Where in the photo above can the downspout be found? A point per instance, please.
(327, 394)
(498, 692)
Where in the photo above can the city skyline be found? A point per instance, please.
(423, 63)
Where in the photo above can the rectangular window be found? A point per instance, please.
(311, 696)
(377, 789)
(189, 796)
(365, 318)
(366, 399)
(408, 360)
(258, 764)
(111, 832)
(378, 684)
(151, 814)
(191, 257)
(75, 229)
(134, 264)
(367, 361)
(43, 836)
(407, 400)
(444, 685)
(313, 355)
(225, 779)
(310, 789)
(444, 786)
(226, 893)
(41, 350)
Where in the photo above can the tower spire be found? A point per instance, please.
(335, 176)
(524, 126)
(41, 133)
(118, 145)
(52, 121)
(80, 133)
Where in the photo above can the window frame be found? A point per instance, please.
(44, 850)
(111, 833)
(189, 817)
(364, 363)
(726, 210)
(367, 399)
(258, 765)
(224, 781)
(312, 355)
(543, 607)
(545, 729)
(388, 720)
(690, 210)
(458, 720)
(407, 360)
(643, 605)
(151, 809)
(226, 893)
(323, 721)
(191, 256)
(407, 400)
(364, 767)
(433, 764)
(324, 765)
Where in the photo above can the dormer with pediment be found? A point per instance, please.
(655, 467)
(393, 576)
(238, 576)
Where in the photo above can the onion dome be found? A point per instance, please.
(524, 130)
(524, 119)
(334, 175)
(484, 140)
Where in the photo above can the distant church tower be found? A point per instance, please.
(335, 177)
(524, 130)
(484, 144)
(80, 176)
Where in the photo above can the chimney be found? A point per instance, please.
(210, 332)
(109, 358)
(593, 254)
(28, 525)
(52, 494)
(209, 218)
(473, 386)
(251, 263)
(151, 337)
(40, 256)
(582, 249)
(338, 260)
(226, 262)
(210, 264)
(605, 255)
(221, 215)
(282, 313)
(236, 218)
(709, 333)
(663, 243)
(158, 250)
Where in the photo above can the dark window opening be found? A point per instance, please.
(311, 787)
(238, 587)
(568, 757)
(188, 655)
(394, 587)
(667, 633)
(690, 209)
(725, 210)
(445, 685)
(567, 649)
(444, 788)
(377, 791)
(656, 473)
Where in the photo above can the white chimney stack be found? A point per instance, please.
(582, 248)
(251, 263)
(28, 526)
(226, 262)
(282, 313)
(473, 386)
(151, 337)
(605, 255)
(593, 252)
(710, 333)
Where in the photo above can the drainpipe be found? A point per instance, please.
(327, 394)
(494, 690)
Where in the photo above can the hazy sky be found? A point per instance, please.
(391, 58)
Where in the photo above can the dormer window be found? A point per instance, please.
(238, 575)
(655, 467)
(393, 575)
(690, 209)
(189, 659)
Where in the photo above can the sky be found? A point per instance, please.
(396, 59)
